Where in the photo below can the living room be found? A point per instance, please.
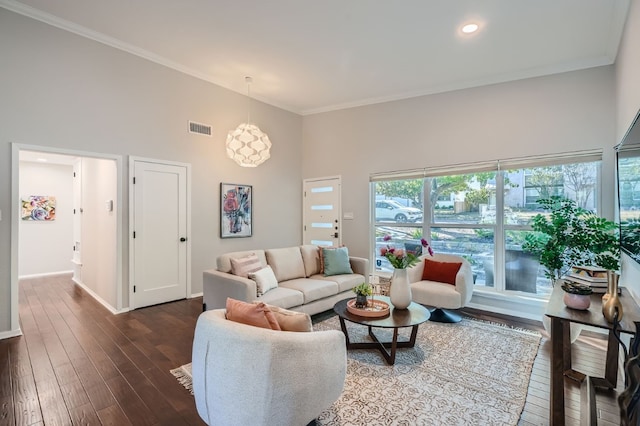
(64, 91)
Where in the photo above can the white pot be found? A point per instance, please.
(574, 328)
(400, 291)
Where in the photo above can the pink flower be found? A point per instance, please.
(383, 251)
(386, 238)
(398, 252)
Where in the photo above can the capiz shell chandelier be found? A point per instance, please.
(247, 145)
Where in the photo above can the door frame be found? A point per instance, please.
(15, 215)
(132, 265)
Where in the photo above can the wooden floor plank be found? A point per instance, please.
(79, 364)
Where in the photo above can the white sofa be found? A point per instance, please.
(440, 295)
(301, 286)
(246, 375)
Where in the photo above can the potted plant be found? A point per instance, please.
(362, 291)
(577, 296)
(571, 235)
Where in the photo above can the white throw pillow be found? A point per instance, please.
(265, 279)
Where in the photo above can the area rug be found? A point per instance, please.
(469, 373)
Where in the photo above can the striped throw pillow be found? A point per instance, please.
(243, 266)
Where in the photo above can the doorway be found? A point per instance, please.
(106, 264)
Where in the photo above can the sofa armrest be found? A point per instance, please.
(217, 286)
(360, 265)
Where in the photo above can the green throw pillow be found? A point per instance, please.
(336, 262)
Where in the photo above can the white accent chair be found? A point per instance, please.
(245, 375)
(442, 296)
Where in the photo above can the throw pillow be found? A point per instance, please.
(265, 280)
(321, 255)
(291, 320)
(336, 261)
(256, 314)
(242, 266)
(442, 272)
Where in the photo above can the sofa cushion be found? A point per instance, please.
(243, 266)
(336, 261)
(345, 282)
(311, 258)
(256, 314)
(286, 263)
(283, 297)
(224, 261)
(291, 320)
(442, 272)
(311, 289)
(265, 280)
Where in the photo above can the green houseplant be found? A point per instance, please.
(362, 291)
(570, 235)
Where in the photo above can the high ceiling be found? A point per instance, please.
(314, 56)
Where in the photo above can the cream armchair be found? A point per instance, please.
(249, 375)
(442, 295)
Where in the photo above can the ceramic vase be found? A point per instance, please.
(611, 276)
(577, 301)
(400, 292)
(361, 301)
(613, 304)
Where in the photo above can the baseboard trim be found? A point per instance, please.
(194, 295)
(45, 274)
(10, 334)
(99, 299)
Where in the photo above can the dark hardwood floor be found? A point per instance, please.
(78, 364)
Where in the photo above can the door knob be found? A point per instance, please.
(183, 239)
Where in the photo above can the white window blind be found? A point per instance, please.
(494, 165)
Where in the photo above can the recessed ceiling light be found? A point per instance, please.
(469, 28)
(42, 160)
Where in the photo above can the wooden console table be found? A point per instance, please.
(561, 318)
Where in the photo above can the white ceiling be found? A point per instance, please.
(314, 56)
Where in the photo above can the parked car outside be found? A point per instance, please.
(394, 211)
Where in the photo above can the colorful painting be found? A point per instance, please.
(39, 207)
(235, 211)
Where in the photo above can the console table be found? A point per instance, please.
(561, 318)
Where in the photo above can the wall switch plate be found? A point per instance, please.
(348, 215)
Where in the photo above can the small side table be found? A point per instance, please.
(561, 318)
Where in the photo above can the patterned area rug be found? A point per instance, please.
(470, 373)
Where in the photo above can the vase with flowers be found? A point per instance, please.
(401, 259)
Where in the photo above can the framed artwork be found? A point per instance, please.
(235, 210)
(39, 207)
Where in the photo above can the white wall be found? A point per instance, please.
(559, 113)
(61, 90)
(47, 246)
(628, 104)
(98, 241)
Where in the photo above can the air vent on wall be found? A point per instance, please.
(201, 129)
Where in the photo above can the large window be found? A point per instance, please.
(483, 216)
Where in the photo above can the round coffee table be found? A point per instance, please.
(413, 316)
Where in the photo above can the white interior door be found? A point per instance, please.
(321, 211)
(160, 245)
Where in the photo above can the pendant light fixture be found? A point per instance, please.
(247, 145)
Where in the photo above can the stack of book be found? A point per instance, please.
(593, 276)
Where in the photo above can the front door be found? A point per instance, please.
(321, 211)
(159, 233)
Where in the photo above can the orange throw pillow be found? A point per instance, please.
(442, 272)
(256, 314)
